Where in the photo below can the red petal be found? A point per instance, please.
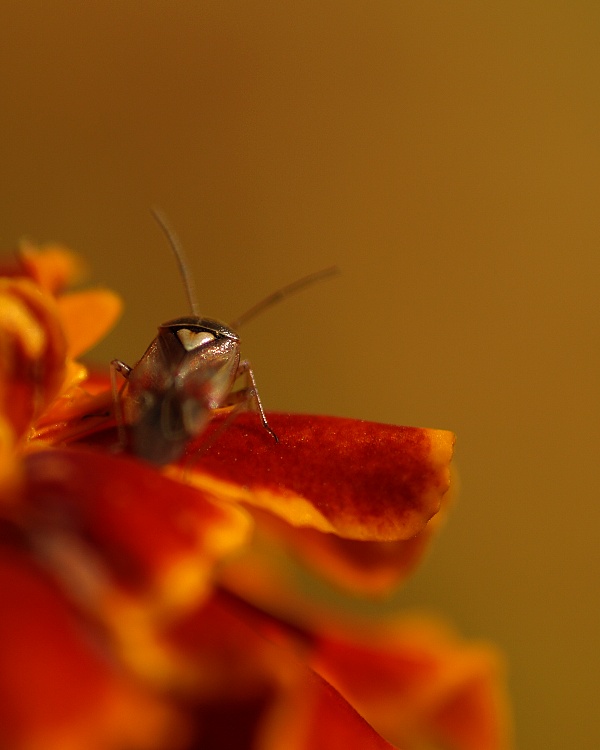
(158, 537)
(324, 720)
(418, 683)
(247, 661)
(224, 642)
(360, 480)
(57, 688)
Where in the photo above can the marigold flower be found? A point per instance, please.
(158, 609)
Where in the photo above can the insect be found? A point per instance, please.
(189, 370)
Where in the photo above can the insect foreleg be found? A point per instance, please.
(117, 366)
(235, 402)
(250, 394)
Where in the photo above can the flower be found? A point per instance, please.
(152, 609)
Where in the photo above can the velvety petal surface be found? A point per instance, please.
(359, 480)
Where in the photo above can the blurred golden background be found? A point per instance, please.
(446, 156)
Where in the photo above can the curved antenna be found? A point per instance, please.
(182, 263)
(285, 291)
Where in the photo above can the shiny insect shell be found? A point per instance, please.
(188, 371)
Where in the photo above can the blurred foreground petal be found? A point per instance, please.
(59, 690)
(154, 536)
(87, 317)
(52, 267)
(419, 684)
(244, 660)
(268, 566)
(32, 352)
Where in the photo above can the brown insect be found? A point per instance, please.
(189, 370)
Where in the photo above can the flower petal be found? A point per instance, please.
(32, 352)
(225, 642)
(87, 317)
(51, 266)
(366, 567)
(360, 480)
(317, 717)
(289, 571)
(360, 567)
(156, 537)
(416, 682)
(250, 668)
(10, 469)
(58, 690)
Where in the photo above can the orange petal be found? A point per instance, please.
(157, 537)
(10, 467)
(57, 688)
(75, 375)
(85, 406)
(53, 267)
(98, 381)
(32, 352)
(360, 480)
(87, 317)
(418, 683)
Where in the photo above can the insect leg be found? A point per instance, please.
(117, 366)
(236, 401)
(250, 393)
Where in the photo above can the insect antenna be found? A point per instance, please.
(285, 291)
(182, 263)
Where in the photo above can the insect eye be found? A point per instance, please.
(191, 340)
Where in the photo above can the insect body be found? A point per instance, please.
(188, 371)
